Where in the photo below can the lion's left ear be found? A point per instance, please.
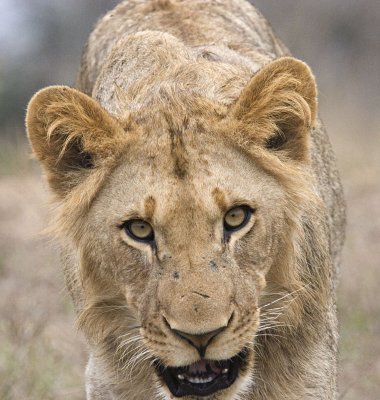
(279, 105)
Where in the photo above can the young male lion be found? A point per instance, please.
(200, 211)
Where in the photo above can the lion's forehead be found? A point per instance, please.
(194, 182)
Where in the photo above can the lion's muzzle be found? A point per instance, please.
(200, 341)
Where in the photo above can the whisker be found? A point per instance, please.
(283, 297)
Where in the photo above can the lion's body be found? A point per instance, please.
(169, 74)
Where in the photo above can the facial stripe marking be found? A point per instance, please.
(149, 207)
(220, 199)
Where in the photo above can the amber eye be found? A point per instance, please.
(139, 230)
(237, 217)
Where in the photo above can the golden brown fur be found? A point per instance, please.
(184, 110)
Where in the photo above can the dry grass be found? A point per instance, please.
(41, 354)
(358, 302)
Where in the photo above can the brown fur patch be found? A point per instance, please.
(220, 199)
(149, 207)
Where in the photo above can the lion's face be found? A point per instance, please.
(179, 223)
(188, 235)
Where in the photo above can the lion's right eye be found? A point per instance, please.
(139, 230)
(236, 218)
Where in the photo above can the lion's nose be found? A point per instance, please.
(199, 341)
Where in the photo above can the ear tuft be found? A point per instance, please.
(70, 134)
(279, 107)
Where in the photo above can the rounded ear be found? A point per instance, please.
(70, 134)
(279, 107)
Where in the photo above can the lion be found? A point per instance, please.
(200, 214)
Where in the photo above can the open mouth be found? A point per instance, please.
(202, 378)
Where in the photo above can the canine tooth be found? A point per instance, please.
(224, 371)
(180, 377)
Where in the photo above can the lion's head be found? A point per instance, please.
(181, 220)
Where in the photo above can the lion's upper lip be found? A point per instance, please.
(202, 378)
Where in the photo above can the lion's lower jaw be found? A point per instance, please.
(100, 385)
(208, 379)
(238, 391)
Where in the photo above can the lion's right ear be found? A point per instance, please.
(279, 104)
(71, 134)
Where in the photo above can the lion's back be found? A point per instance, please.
(330, 190)
(196, 24)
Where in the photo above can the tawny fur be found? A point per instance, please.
(184, 109)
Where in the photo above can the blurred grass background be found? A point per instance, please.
(41, 354)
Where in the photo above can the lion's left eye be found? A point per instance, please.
(139, 230)
(237, 218)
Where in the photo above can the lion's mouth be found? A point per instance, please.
(202, 378)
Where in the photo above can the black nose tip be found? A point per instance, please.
(199, 341)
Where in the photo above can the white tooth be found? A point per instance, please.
(200, 380)
(180, 377)
(225, 370)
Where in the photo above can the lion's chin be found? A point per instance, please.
(204, 377)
